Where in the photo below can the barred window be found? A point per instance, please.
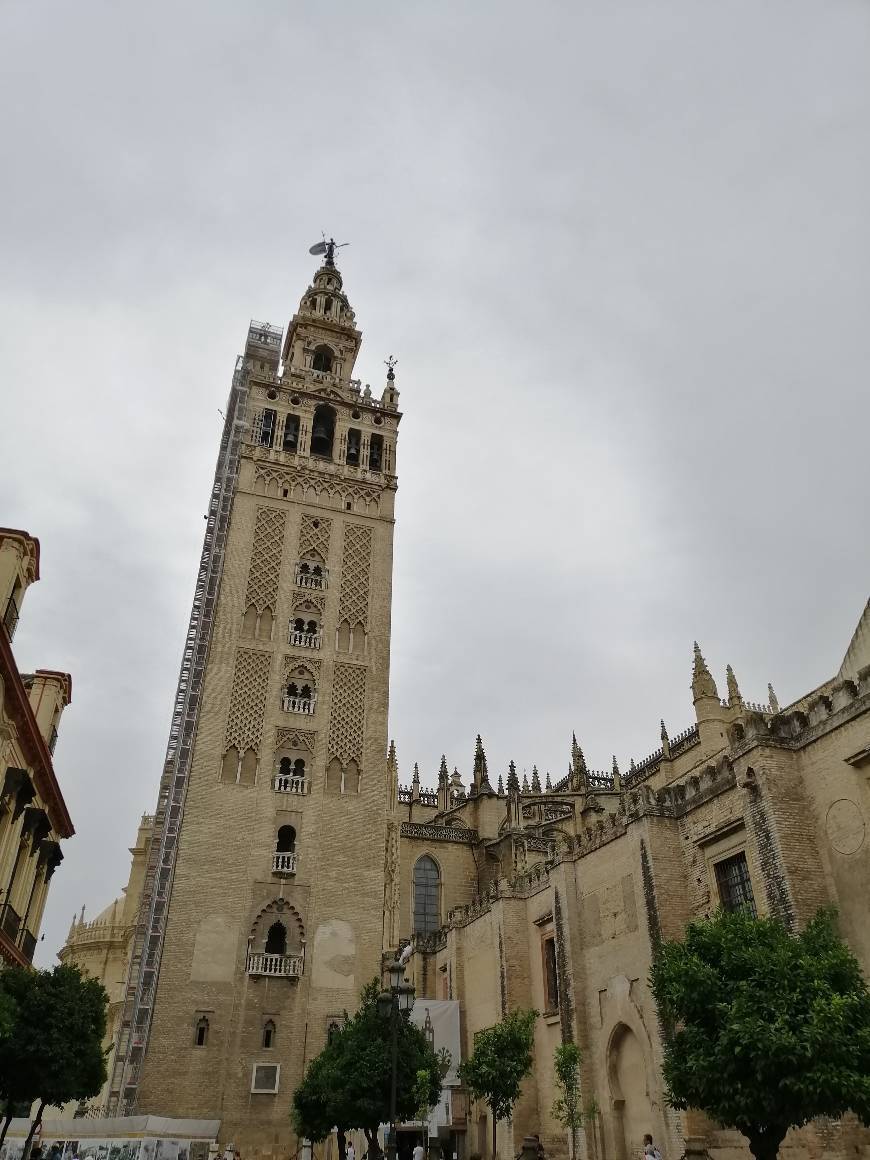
(427, 880)
(735, 886)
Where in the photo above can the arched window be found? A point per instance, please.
(298, 624)
(304, 569)
(376, 452)
(327, 305)
(311, 626)
(322, 360)
(292, 689)
(298, 767)
(200, 1037)
(276, 940)
(323, 428)
(268, 1034)
(315, 571)
(286, 842)
(354, 442)
(305, 693)
(427, 884)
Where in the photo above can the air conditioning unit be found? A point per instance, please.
(264, 1079)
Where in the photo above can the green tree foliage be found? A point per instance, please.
(53, 1051)
(768, 1030)
(567, 1108)
(501, 1060)
(348, 1084)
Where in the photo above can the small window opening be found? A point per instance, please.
(201, 1035)
(292, 689)
(298, 624)
(267, 429)
(376, 452)
(276, 939)
(354, 439)
(551, 976)
(327, 305)
(311, 627)
(286, 841)
(735, 885)
(322, 360)
(299, 767)
(268, 1034)
(291, 433)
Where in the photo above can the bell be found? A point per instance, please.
(321, 442)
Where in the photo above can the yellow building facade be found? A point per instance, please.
(34, 819)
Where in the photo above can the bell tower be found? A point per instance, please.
(264, 907)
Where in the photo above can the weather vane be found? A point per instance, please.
(390, 364)
(328, 248)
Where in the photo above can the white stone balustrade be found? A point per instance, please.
(284, 863)
(305, 639)
(289, 784)
(298, 704)
(275, 966)
(311, 580)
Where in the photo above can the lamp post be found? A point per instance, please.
(393, 1004)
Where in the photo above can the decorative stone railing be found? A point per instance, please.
(311, 580)
(284, 863)
(298, 704)
(438, 833)
(289, 784)
(304, 639)
(275, 966)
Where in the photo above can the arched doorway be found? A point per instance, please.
(632, 1113)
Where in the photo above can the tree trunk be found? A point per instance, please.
(7, 1120)
(494, 1126)
(371, 1135)
(341, 1139)
(764, 1142)
(29, 1141)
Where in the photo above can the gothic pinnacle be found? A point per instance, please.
(536, 781)
(525, 782)
(416, 777)
(734, 697)
(703, 684)
(548, 785)
(513, 782)
(666, 741)
(771, 697)
(500, 786)
(443, 775)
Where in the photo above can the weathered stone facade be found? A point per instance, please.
(276, 910)
(752, 804)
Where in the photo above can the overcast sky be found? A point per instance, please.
(621, 251)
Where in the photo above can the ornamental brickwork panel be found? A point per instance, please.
(314, 537)
(347, 715)
(266, 559)
(353, 603)
(248, 700)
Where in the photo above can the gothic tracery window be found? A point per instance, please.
(427, 889)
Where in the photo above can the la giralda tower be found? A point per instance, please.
(264, 902)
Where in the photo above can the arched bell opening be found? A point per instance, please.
(323, 431)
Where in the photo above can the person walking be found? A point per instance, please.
(349, 1153)
(650, 1151)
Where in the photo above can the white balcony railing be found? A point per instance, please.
(287, 784)
(305, 639)
(284, 863)
(298, 704)
(311, 580)
(277, 966)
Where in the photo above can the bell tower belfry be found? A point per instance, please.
(264, 903)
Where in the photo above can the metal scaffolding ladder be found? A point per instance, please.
(147, 947)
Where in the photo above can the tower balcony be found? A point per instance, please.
(284, 863)
(299, 704)
(275, 966)
(305, 578)
(305, 639)
(288, 784)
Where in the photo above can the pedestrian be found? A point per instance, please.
(349, 1153)
(419, 1152)
(650, 1151)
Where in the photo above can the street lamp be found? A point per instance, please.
(392, 1005)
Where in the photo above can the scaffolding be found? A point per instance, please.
(147, 945)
